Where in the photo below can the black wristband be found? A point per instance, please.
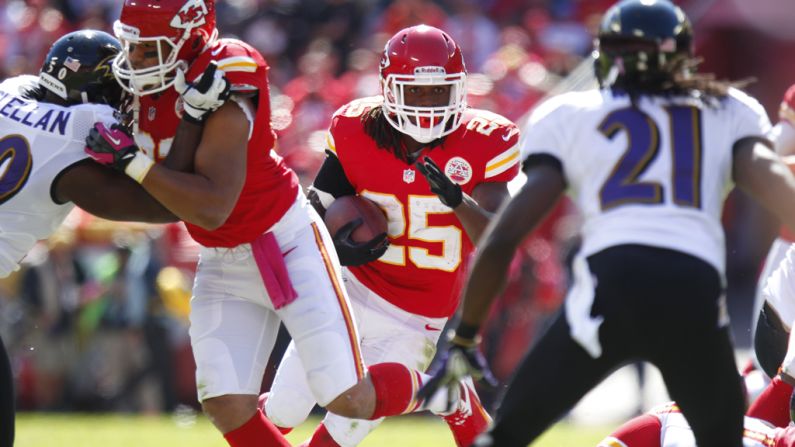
(467, 331)
(187, 117)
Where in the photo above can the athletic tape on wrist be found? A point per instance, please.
(139, 166)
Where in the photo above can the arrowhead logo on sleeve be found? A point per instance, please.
(458, 170)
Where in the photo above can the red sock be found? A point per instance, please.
(395, 386)
(773, 404)
(322, 438)
(256, 432)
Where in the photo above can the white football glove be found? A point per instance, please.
(203, 96)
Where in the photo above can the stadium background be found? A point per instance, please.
(96, 319)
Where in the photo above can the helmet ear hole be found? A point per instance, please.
(198, 41)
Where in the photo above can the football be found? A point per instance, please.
(347, 208)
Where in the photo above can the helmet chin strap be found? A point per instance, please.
(416, 133)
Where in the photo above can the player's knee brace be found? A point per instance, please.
(349, 431)
(287, 408)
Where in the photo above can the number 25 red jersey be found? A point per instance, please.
(270, 187)
(421, 270)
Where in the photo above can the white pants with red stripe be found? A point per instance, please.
(389, 334)
(234, 323)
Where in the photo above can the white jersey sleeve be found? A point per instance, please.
(749, 118)
(37, 142)
(546, 131)
(654, 172)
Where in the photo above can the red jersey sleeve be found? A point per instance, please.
(492, 143)
(242, 65)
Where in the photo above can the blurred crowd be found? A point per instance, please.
(96, 320)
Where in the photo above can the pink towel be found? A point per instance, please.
(273, 270)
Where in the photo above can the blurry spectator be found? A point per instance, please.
(50, 292)
(515, 81)
(405, 13)
(37, 26)
(474, 31)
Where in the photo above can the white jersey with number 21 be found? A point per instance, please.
(655, 174)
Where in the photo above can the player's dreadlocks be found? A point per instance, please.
(679, 76)
(387, 137)
(646, 48)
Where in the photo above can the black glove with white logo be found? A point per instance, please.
(448, 191)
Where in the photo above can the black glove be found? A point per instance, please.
(461, 359)
(448, 191)
(358, 253)
(112, 147)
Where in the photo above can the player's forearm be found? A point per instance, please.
(486, 280)
(182, 154)
(191, 197)
(509, 228)
(136, 208)
(473, 218)
(108, 194)
(763, 176)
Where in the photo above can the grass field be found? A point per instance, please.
(69, 430)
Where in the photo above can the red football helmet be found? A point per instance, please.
(183, 28)
(423, 55)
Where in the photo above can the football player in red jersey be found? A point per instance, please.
(265, 254)
(438, 169)
(774, 304)
(665, 426)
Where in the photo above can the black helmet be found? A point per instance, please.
(77, 69)
(636, 40)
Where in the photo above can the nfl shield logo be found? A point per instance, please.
(151, 113)
(408, 176)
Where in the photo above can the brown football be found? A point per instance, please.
(347, 208)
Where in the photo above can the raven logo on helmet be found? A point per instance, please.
(77, 68)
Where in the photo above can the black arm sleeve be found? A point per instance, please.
(331, 178)
(542, 159)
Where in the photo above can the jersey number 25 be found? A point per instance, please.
(418, 209)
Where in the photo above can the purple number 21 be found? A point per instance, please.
(643, 137)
